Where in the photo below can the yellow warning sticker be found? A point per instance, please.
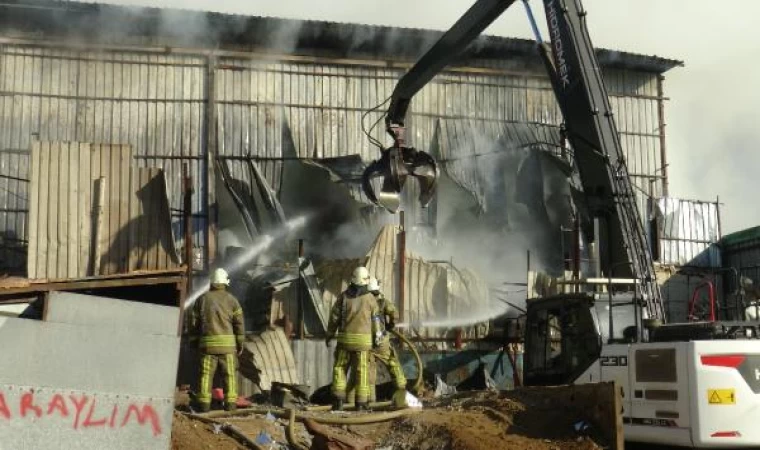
(721, 397)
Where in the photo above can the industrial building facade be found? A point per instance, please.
(266, 90)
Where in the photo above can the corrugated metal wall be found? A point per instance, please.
(159, 104)
(155, 103)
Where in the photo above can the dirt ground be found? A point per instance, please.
(488, 421)
(470, 421)
(188, 434)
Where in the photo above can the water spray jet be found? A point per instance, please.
(455, 322)
(260, 246)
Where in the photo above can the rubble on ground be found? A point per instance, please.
(483, 420)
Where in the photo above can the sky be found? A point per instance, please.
(713, 123)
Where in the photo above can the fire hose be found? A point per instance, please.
(418, 384)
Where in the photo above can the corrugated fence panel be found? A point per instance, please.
(133, 225)
(61, 211)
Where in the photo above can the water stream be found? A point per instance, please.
(262, 244)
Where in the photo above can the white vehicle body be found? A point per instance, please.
(703, 394)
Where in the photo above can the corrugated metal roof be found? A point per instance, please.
(89, 20)
(133, 226)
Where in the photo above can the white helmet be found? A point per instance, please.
(360, 276)
(220, 276)
(373, 285)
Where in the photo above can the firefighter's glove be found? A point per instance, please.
(390, 326)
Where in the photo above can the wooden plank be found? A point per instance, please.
(144, 228)
(85, 186)
(102, 161)
(98, 224)
(42, 212)
(95, 174)
(169, 250)
(93, 284)
(157, 207)
(75, 212)
(110, 249)
(125, 194)
(134, 218)
(34, 213)
(62, 216)
(147, 199)
(52, 211)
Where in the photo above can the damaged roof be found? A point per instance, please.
(111, 24)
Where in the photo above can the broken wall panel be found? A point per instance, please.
(75, 231)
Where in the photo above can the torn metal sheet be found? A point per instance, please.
(314, 294)
(474, 153)
(688, 232)
(239, 198)
(268, 195)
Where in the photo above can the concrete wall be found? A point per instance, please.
(89, 380)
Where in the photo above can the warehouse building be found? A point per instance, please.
(193, 88)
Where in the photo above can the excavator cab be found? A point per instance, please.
(394, 166)
(562, 339)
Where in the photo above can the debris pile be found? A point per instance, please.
(484, 420)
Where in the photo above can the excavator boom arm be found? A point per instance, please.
(579, 88)
(599, 157)
(448, 48)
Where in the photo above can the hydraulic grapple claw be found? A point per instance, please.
(394, 166)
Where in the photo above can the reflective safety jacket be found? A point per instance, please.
(216, 320)
(351, 319)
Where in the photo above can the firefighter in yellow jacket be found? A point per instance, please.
(216, 320)
(383, 352)
(351, 323)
